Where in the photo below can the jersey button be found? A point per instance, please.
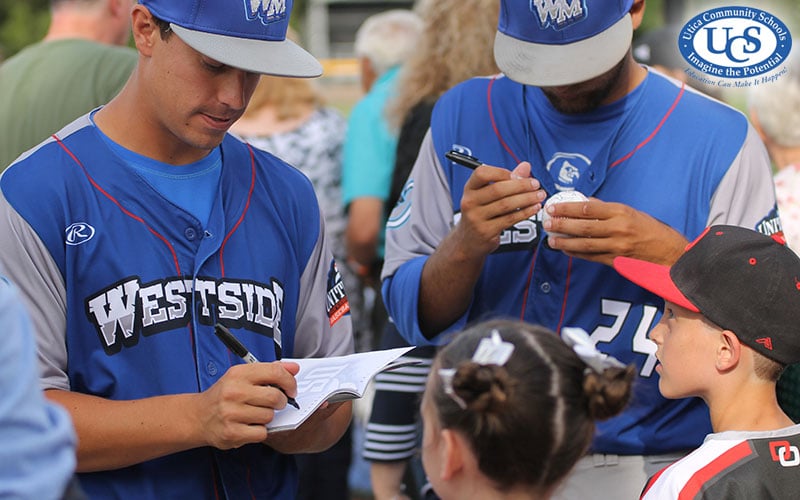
(545, 287)
(211, 368)
(190, 233)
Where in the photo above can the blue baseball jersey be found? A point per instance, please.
(683, 158)
(125, 288)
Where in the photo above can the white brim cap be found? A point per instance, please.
(549, 65)
(279, 58)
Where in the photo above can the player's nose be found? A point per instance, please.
(236, 88)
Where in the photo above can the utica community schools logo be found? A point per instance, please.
(735, 46)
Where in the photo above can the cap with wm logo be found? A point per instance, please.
(561, 42)
(740, 279)
(245, 34)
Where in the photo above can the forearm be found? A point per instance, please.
(115, 434)
(387, 479)
(363, 229)
(317, 434)
(446, 286)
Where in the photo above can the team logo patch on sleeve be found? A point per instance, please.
(771, 225)
(337, 304)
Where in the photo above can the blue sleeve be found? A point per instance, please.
(38, 452)
(401, 298)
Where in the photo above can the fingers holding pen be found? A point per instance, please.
(238, 406)
(498, 191)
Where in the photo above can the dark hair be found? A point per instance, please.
(164, 27)
(530, 420)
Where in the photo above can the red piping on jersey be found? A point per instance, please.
(215, 475)
(491, 117)
(250, 484)
(241, 217)
(719, 464)
(655, 131)
(119, 205)
(566, 294)
(528, 286)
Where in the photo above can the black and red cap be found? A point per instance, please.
(741, 280)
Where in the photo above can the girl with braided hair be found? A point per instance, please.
(509, 408)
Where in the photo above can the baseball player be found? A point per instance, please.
(138, 227)
(573, 111)
(729, 328)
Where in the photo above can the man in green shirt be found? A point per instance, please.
(80, 64)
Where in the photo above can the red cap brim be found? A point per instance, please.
(653, 277)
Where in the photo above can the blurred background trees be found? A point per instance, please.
(21, 23)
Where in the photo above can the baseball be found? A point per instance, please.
(561, 197)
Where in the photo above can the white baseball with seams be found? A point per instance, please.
(561, 197)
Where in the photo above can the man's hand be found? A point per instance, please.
(495, 199)
(238, 407)
(602, 230)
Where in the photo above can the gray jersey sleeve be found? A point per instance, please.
(746, 195)
(315, 337)
(423, 216)
(28, 264)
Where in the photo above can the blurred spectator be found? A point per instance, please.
(456, 44)
(775, 113)
(383, 42)
(77, 67)
(38, 452)
(288, 117)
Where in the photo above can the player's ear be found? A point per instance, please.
(452, 454)
(729, 351)
(637, 13)
(144, 29)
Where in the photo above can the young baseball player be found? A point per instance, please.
(137, 227)
(732, 307)
(509, 409)
(573, 112)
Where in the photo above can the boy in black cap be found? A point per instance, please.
(732, 307)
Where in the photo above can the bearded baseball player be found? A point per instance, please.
(573, 111)
(136, 228)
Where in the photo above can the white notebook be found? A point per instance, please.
(333, 379)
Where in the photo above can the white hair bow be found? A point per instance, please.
(490, 351)
(584, 347)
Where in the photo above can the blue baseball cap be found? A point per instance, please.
(245, 34)
(560, 42)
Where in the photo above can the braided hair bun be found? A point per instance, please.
(608, 392)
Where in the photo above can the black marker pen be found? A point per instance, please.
(240, 350)
(465, 160)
